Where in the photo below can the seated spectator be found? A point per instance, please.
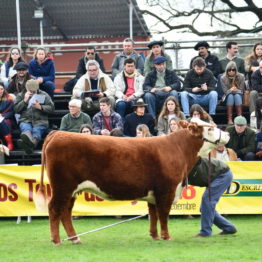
(33, 105)
(211, 61)
(116, 132)
(94, 79)
(256, 83)
(7, 69)
(242, 139)
(252, 60)
(233, 85)
(129, 87)
(224, 154)
(160, 84)
(90, 54)
(42, 68)
(6, 116)
(256, 116)
(156, 51)
(199, 86)
(197, 111)
(259, 143)
(18, 81)
(169, 110)
(106, 120)
(72, 121)
(142, 130)
(174, 124)
(138, 117)
(86, 129)
(128, 52)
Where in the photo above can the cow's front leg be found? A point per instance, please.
(153, 221)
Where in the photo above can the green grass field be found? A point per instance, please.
(130, 242)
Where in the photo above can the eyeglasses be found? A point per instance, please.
(90, 53)
(231, 70)
(14, 53)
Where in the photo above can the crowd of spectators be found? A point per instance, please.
(143, 96)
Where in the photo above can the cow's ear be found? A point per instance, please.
(193, 128)
(183, 123)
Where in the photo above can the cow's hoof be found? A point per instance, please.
(56, 243)
(156, 238)
(167, 238)
(76, 241)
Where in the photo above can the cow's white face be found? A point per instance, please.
(212, 137)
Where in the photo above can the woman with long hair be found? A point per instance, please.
(142, 130)
(42, 68)
(7, 69)
(197, 111)
(174, 124)
(170, 109)
(6, 116)
(233, 85)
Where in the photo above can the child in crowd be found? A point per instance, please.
(142, 130)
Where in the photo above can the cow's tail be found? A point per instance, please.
(41, 199)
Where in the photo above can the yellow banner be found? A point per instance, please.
(18, 185)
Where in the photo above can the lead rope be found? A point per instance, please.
(209, 176)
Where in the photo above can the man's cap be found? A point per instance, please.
(21, 66)
(155, 42)
(201, 43)
(140, 102)
(159, 60)
(32, 85)
(240, 121)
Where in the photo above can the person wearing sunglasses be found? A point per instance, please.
(7, 69)
(233, 85)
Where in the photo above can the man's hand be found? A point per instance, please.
(100, 94)
(37, 105)
(196, 89)
(27, 96)
(40, 80)
(153, 90)
(105, 132)
(204, 87)
(166, 89)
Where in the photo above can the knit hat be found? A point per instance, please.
(240, 121)
(32, 85)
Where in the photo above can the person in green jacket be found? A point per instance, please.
(72, 121)
(221, 178)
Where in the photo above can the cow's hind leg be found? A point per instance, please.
(67, 221)
(153, 221)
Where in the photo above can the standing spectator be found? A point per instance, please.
(129, 87)
(128, 52)
(7, 69)
(142, 130)
(34, 105)
(6, 116)
(90, 54)
(156, 51)
(256, 83)
(138, 117)
(160, 84)
(256, 116)
(232, 50)
(94, 79)
(233, 85)
(106, 120)
(169, 110)
(199, 86)
(211, 61)
(242, 139)
(72, 121)
(252, 61)
(86, 129)
(42, 68)
(18, 81)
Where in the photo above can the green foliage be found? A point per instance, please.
(130, 242)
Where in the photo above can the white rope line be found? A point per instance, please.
(104, 227)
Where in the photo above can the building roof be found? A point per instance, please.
(71, 19)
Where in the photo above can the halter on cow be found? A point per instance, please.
(151, 169)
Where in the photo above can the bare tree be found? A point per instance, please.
(223, 17)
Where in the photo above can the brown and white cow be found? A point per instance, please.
(151, 169)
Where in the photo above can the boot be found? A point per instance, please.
(229, 115)
(8, 139)
(239, 110)
(26, 142)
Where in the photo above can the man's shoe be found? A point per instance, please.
(26, 142)
(200, 235)
(228, 232)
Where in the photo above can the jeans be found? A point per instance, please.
(203, 100)
(36, 131)
(234, 99)
(122, 108)
(156, 100)
(209, 215)
(48, 87)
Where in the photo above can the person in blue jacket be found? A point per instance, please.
(42, 68)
